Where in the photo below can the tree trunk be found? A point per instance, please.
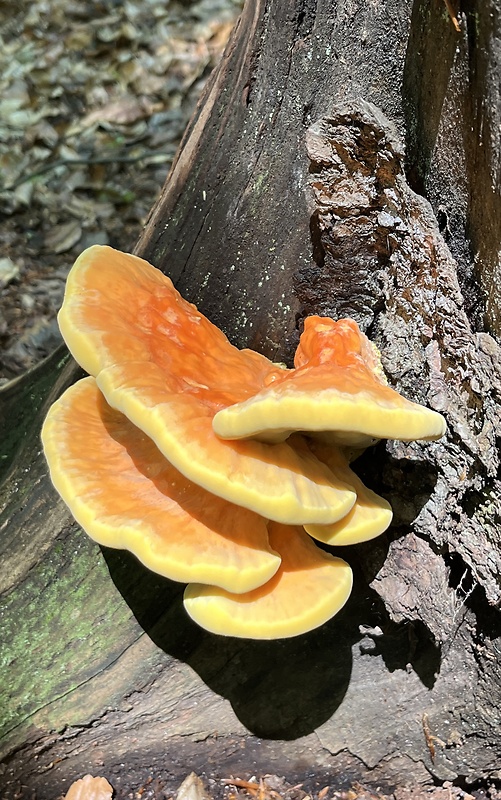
(291, 195)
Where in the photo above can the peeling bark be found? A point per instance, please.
(380, 258)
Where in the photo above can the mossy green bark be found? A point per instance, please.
(64, 622)
(63, 625)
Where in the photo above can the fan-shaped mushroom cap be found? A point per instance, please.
(369, 517)
(169, 370)
(125, 494)
(308, 589)
(337, 391)
(119, 309)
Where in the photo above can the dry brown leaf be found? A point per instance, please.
(123, 112)
(192, 788)
(220, 36)
(62, 237)
(89, 788)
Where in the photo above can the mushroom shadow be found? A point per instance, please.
(407, 484)
(281, 689)
(286, 688)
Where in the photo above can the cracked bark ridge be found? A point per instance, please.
(380, 258)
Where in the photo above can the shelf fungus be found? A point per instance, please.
(309, 588)
(213, 465)
(169, 370)
(125, 494)
(337, 392)
(370, 516)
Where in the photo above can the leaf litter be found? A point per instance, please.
(94, 98)
(268, 787)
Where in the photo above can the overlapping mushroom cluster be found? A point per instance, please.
(213, 465)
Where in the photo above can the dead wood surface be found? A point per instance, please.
(290, 197)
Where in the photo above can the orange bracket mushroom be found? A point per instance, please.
(370, 516)
(125, 494)
(337, 392)
(309, 588)
(179, 439)
(169, 370)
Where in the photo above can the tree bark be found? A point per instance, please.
(291, 195)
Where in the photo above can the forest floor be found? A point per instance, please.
(94, 99)
(269, 787)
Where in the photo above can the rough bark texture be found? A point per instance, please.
(290, 197)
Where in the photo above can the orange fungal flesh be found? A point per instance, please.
(337, 392)
(370, 516)
(176, 448)
(309, 588)
(337, 343)
(169, 370)
(118, 309)
(281, 481)
(125, 494)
